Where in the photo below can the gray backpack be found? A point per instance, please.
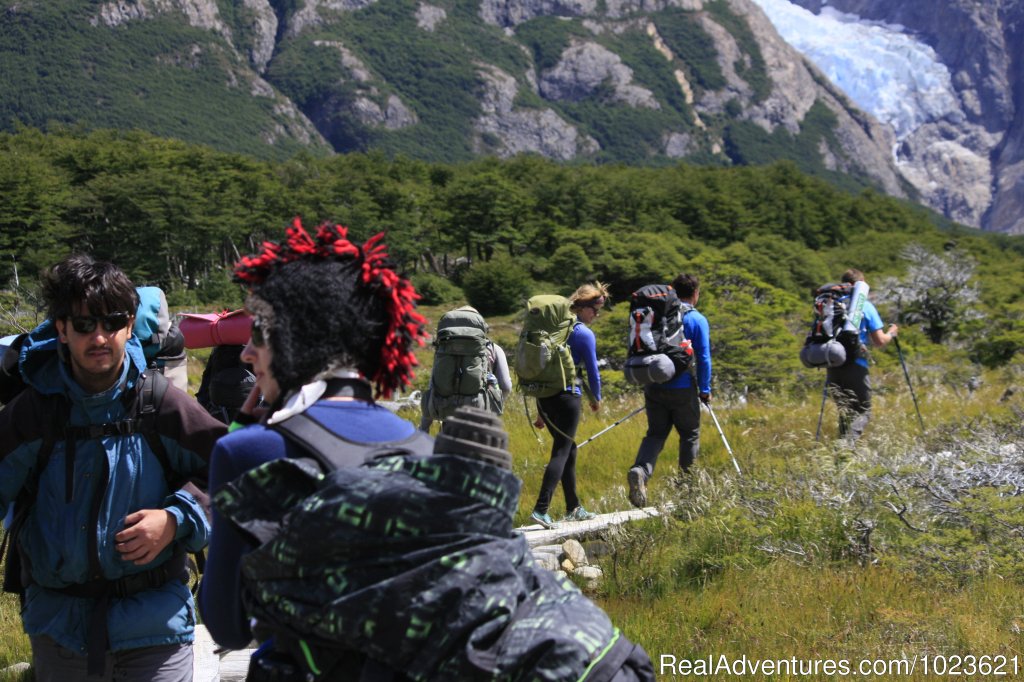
(462, 367)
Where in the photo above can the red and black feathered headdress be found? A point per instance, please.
(403, 327)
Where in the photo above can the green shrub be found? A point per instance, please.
(496, 287)
(569, 264)
(434, 289)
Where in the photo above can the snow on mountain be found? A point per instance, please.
(881, 68)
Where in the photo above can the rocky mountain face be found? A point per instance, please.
(970, 165)
(610, 80)
(529, 108)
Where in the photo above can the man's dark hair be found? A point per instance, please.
(685, 285)
(852, 276)
(79, 278)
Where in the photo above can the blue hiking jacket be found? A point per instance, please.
(112, 476)
(871, 322)
(695, 328)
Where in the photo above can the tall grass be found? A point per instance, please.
(907, 544)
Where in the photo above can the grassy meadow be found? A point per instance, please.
(903, 547)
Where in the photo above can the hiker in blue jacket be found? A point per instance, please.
(102, 531)
(849, 384)
(329, 318)
(677, 401)
(561, 412)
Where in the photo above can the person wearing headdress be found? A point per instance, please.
(330, 320)
(397, 561)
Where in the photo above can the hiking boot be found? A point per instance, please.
(580, 514)
(543, 519)
(637, 487)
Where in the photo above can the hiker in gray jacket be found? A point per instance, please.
(469, 368)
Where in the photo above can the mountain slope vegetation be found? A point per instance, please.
(761, 239)
(707, 81)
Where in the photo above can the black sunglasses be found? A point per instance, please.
(86, 324)
(259, 333)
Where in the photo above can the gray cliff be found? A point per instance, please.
(970, 168)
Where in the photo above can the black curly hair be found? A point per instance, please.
(333, 304)
(320, 319)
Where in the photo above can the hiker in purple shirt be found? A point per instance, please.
(561, 412)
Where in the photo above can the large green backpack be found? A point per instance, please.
(543, 362)
(462, 366)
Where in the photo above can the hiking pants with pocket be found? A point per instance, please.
(668, 407)
(166, 663)
(850, 387)
(561, 414)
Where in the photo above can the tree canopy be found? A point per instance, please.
(178, 215)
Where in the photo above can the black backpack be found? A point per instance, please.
(658, 350)
(11, 381)
(829, 342)
(349, 559)
(319, 449)
(226, 383)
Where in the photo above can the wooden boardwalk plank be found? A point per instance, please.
(537, 535)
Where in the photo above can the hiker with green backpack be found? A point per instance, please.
(555, 341)
(469, 368)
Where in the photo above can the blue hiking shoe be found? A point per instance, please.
(543, 519)
(580, 514)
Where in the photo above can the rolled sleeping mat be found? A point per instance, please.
(645, 370)
(203, 330)
(828, 354)
(858, 297)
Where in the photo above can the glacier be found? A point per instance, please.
(881, 68)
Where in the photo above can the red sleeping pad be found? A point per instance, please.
(202, 330)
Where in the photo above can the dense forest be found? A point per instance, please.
(493, 232)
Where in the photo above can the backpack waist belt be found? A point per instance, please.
(172, 569)
(97, 640)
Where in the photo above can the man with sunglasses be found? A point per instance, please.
(104, 524)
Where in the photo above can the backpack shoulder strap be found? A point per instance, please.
(150, 399)
(331, 451)
(56, 408)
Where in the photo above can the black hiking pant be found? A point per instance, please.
(561, 414)
(850, 387)
(668, 407)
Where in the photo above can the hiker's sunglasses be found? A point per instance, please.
(259, 333)
(86, 324)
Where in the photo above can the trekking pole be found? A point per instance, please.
(899, 352)
(727, 448)
(821, 414)
(609, 428)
